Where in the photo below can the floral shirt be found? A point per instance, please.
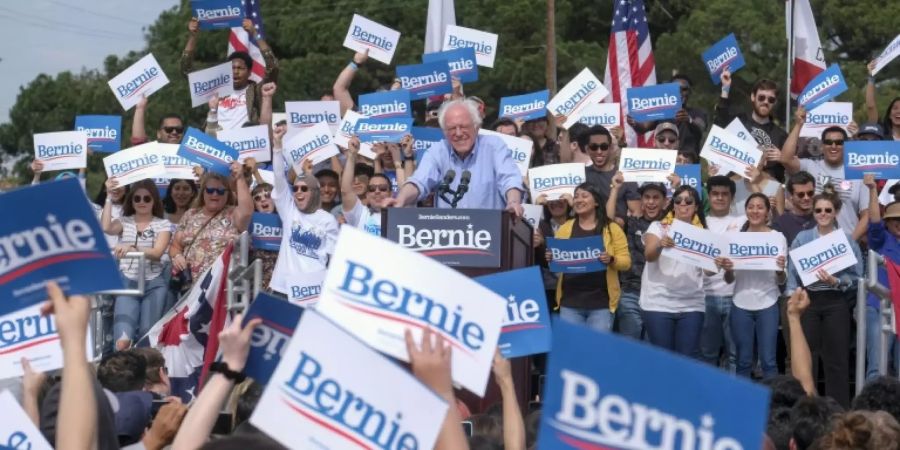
(211, 241)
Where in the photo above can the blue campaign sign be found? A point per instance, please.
(426, 79)
(722, 54)
(270, 338)
(526, 326)
(576, 255)
(104, 132)
(385, 104)
(634, 396)
(824, 87)
(265, 231)
(424, 138)
(526, 106)
(201, 148)
(54, 236)
(217, 14)
(461, 61)
(657, 102)
(881, 158)
(391, 129)
(690, 175)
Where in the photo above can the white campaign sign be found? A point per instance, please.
(755, 251)
(352, 398)
(730, 152)
(26, 333)
(484, 43)
(555, 180)
(379, 40)
(176, 166)
(345, 132)
(647, 164)
(208, 83)
(17, 431)
(694, 245)
(382, 292)
(606, 114)
(570, 101)
(305, 114)
(520, 149)
(142, 79)
(250, 142)
(887, 55)
(737, 128)
(134, 164)
(828, 114)
(314, 142)
(61, 150)
(831, 252)
(533, 214)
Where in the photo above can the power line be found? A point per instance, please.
(56, 23)
(80, 32)
(95, 13)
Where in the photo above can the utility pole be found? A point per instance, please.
(550, 74)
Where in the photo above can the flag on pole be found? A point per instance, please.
(440, 14)
(240, 41)
(629, 62)
(808, 57)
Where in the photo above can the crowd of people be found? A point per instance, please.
(729, 318)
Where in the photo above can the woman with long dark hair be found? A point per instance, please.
(179, 196)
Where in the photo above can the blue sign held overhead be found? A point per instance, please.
(54, 236)
(656, 102)
(201, 148)
(576, 255)
(722, 54)
(265, 231)
(462, 62)
(624, 397)
(881, 158)
(423, 139)
(218, 14)
(426, 79)
(385, 104)
(526, 326)
(824, 87)
(526, 106)
(383, 130)
(690, 175)
(271, 337)
(104, 132)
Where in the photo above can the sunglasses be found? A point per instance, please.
(217, 191)
(142, 199)
(603, 147)
(379, 188)
(264, 195)
(146, 234)
(682, 200)
(666, 140)
(834, 142)
(301, 188)
(176, 130)
(824, 210)
(766, 98)
(804, 194)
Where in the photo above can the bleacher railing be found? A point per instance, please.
(865, 286)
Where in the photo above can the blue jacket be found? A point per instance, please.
(883, 242)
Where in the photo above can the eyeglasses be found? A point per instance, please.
(666, 140)
(176, 130)
(264, 195)
(457, 128)
(834, 142)
(824, 210)
(766, 98)
(142, 199)
(379, 188)
(217, 191)
(301, 188)
(804, 194)
(682, 200)
(602, 147)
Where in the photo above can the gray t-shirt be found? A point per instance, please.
(602, 180)
(854, 195)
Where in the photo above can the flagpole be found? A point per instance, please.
(550, 74)
(790, 65)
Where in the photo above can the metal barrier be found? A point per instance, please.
(871, 284)
(244, 278)
(101, 305)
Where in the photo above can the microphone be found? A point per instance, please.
(445, 183)
(463, 187)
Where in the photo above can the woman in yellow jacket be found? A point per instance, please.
(591, 298)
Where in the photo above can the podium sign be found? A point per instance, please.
(454, 237)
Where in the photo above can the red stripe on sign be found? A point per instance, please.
(29, 345)
(327, 425)
(41, 263)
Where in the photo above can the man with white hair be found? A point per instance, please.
(496, 182)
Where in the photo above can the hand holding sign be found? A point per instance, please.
(430, 361)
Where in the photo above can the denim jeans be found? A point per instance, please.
(628, 315)
(598, 319)
(873, 345)
(677, 332)
(134, 316)
(716, 334)
(762, 324)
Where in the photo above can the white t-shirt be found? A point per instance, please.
(363, 218)
(306, 242)
(755, 289)
(669, 285)
(143, 240)
(716, 285)
(854, 195)
(233, 110)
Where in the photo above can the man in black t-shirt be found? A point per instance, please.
(597, 142)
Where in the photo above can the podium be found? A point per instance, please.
(475, 242)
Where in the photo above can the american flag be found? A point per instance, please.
(629, 62)
(240, 41)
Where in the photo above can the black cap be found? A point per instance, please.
(659, 187)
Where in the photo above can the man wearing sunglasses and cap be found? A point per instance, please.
(760, 124)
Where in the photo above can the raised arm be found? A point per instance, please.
(513, 423)
(138, 130)
(789, 152)
(281, 190)
(348, 196)
(723, 114)
(187, 56)
(617, 181)
(801, 359)
(341, 88)
(244, 210)
(397, 156)
(265, 50)
(871, 106)
(110, 226)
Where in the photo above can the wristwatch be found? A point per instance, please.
(222, 368)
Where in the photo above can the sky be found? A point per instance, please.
(52, 36)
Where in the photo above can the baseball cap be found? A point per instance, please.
(652, 186)
(133, 415)
(667, 126)
(871, 128)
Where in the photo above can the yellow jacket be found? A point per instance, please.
(616, 246)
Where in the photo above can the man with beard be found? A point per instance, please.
(596, 141)
(170, 130)
(771, 137)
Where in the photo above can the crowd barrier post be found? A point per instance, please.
(244, 278)
(871, 284)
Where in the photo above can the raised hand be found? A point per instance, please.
(725, 78)
(194, 25)
(268, 89)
